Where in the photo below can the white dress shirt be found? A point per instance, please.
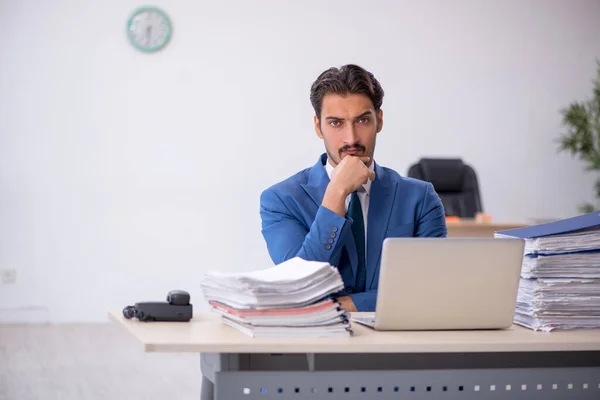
(363, 195)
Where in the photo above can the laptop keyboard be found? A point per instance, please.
(365, 320)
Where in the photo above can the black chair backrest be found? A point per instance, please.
(455, 183)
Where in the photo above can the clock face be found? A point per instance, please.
(149, 29)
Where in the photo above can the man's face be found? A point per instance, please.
(348, 125)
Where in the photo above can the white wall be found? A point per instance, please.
(124, 175)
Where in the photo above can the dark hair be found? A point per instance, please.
(349, 79)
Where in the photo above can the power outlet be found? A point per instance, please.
(8, 276)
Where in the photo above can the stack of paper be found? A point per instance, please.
(581, 240)
(580, 265)
(546, 304)
(289, 299)
(560, 276)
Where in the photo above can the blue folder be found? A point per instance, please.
(562, 226)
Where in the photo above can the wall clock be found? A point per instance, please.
(149, 29)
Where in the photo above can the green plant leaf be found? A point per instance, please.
(586, 208)
(582, 137)
(579, 139)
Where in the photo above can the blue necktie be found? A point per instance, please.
(358, 231)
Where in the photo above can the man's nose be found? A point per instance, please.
(350, 135)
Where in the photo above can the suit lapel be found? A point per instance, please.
(380, 207)
(317, 181)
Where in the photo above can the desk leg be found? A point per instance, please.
(207, 391)
(210, 365)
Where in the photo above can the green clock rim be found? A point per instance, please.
(161, 44)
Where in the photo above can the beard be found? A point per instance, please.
(358, 150)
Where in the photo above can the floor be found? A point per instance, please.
(97, 361)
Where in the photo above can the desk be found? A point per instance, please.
(472, 228)
(504, 364)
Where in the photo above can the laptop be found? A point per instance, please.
(447, 284)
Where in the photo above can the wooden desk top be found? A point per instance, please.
(205, 333)
(497, 226)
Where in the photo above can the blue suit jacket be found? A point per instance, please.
(295, 224)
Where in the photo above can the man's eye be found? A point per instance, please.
(363, 120)
(335, 123)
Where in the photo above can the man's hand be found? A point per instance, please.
(347, 177)
(351, 173)
(347, 303)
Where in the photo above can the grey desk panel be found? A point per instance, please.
(530, 384)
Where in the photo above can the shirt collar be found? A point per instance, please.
(366, 186)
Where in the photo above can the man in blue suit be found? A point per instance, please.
(340, 210)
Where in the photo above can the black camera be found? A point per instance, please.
(177, 308)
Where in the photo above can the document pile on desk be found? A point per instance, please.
(560, 276)
(289, 299)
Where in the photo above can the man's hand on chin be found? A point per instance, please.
(347, 303)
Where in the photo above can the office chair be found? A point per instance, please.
(455, 182)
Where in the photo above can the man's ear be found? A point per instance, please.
(318, 127)
(379, 120)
